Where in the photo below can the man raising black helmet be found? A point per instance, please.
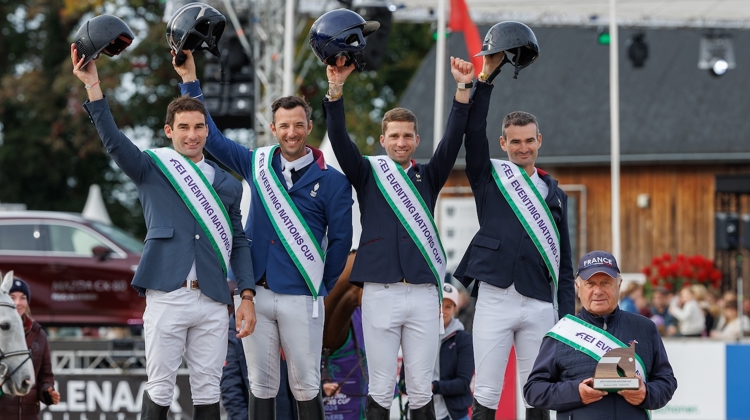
(192, 210)
(521, 256)
(401, 261)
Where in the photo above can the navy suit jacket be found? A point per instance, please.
(387, 253)
(502, 253)
(174, 238)
(323, 197)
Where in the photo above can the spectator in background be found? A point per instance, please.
(465, 308)
(686, 309)
(729, 325)
(452, 392)
(235, 384)
(27, 407)
(707, 302)
(631, 293)
(665, 322)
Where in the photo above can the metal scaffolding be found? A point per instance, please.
(268, 44)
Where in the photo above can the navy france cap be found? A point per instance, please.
(597, 262)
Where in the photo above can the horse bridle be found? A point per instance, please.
(4, 375)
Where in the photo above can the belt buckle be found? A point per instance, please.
(404, 281)
(192, 284)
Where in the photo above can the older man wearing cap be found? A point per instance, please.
(562, 376)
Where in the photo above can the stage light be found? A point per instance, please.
(602, 36)
(637, 49)
(716, 53)
(719, 68)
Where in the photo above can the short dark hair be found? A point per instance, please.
(184, 104)
(400, 115)
(290, 102)
(520, 119)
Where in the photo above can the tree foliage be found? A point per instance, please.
(50, 152)
(370, 94)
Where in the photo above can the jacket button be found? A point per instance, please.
(197, 236)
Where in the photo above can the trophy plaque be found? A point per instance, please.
(616, 370)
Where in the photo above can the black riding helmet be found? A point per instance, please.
(341, 31)
(516, 40)
(103, 34)
(195, 26)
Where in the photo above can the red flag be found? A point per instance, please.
(460, 20)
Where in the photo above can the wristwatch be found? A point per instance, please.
(465, 85)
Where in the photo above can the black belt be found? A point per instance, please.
(263, 282)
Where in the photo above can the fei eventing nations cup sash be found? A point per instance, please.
(591, 340)
(532, 212)
(413, 213)
(200, 198)
(286, 219)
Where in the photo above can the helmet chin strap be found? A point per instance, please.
(515, 62)
(495, 72)
(358, 60)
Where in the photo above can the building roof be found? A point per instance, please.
(670, 110)
(641, 13)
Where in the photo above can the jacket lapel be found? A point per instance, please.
(311, 175)
(219, 176)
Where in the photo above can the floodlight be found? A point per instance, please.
(637, 49)
(716, 53)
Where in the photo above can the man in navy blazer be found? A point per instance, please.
(516, 291)
(289, 315)
(400, 301)
(182, 271)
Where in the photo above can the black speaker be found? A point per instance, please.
(377, 42)
(231, 103)
(727, 231)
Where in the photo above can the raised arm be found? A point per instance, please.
(236, 157)
(354, 166)
(442, 161)
(125, 154)
(477, 146)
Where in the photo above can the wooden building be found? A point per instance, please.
(681, 129)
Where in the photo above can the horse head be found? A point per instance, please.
(16, 367)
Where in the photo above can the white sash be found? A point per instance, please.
(200, 198)
(286, 219)
(413, 213)
(533, 213)
(590, 339)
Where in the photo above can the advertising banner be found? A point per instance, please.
(111, 397)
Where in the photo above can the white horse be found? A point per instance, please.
(16, 367)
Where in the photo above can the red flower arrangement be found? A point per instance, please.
(674, 273)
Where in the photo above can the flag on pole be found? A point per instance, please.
(460, 20)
